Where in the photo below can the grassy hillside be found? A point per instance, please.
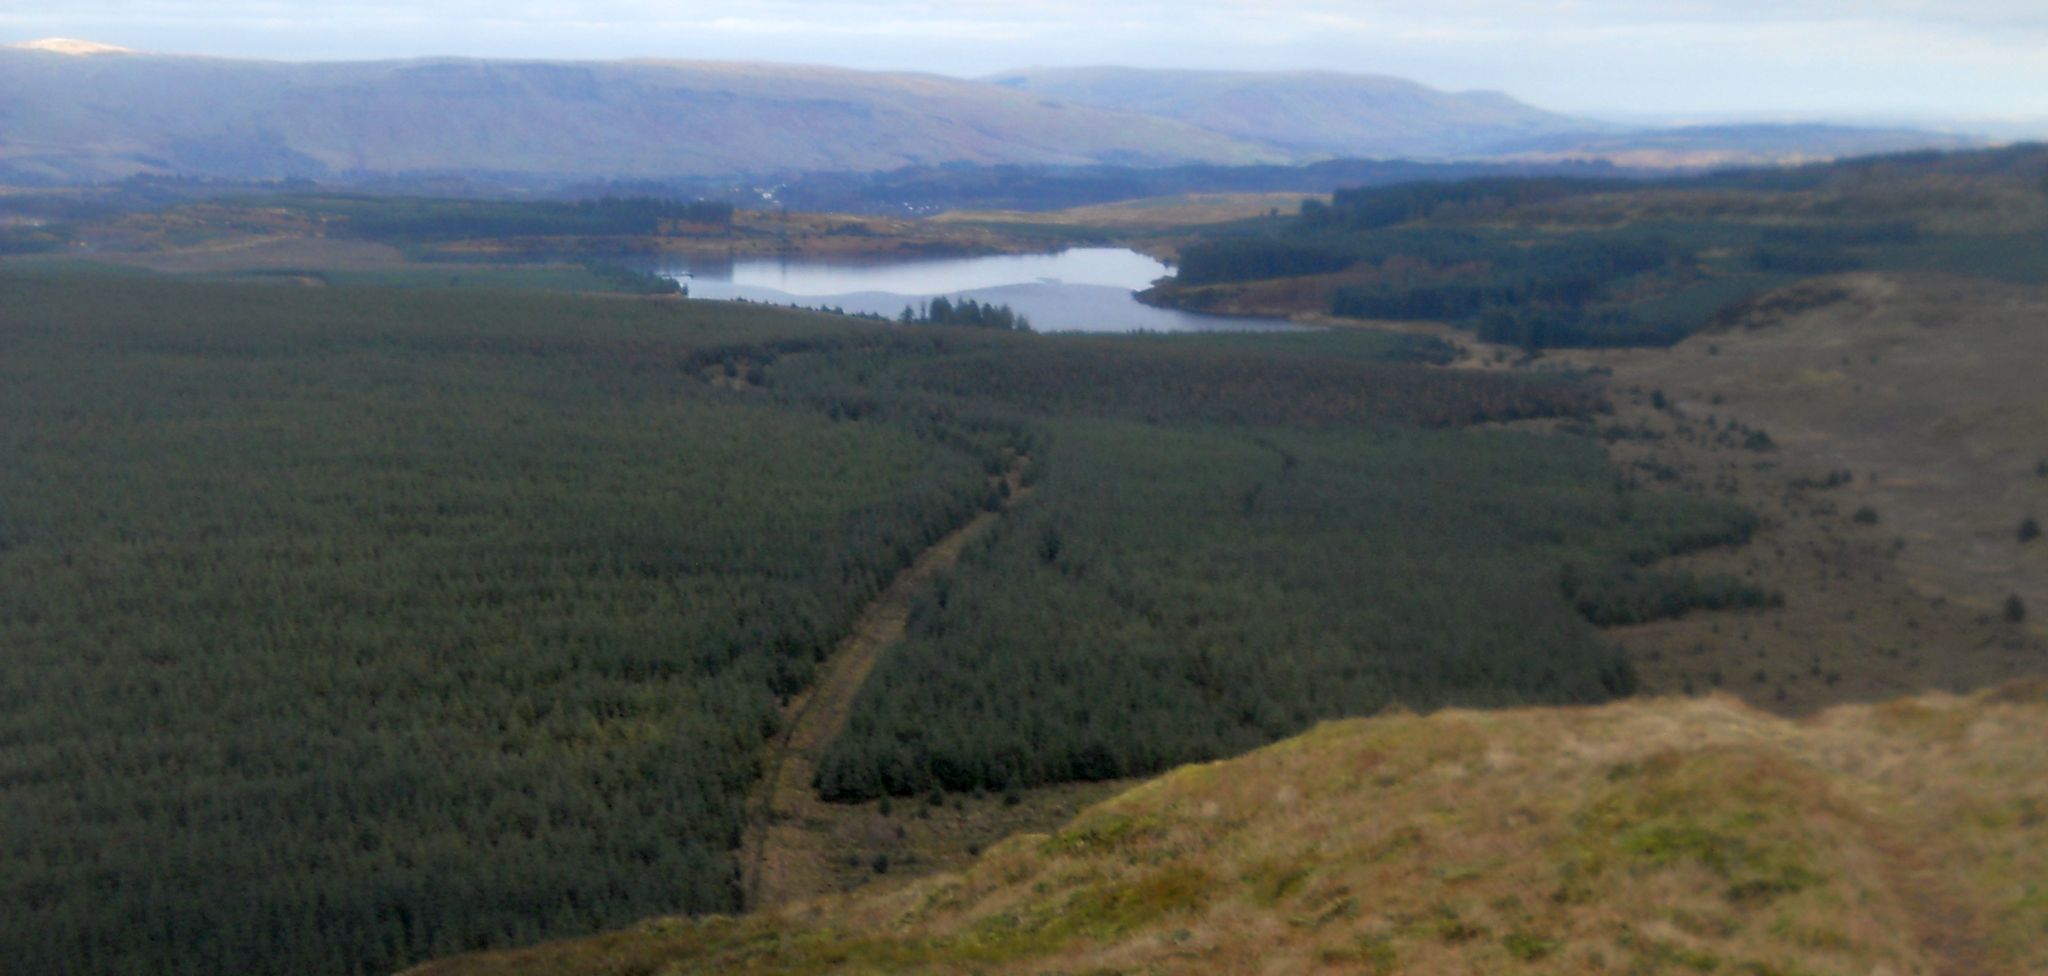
(1908, 413)
(1659, 836)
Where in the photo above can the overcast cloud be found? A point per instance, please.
(1786, 58)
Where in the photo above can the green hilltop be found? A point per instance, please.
(1656, 836)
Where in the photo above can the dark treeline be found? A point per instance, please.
(1246, 258)
(1576, 326)
(1176, 593)
(350, 627)
(632, 281)
(1249, 257)
(1253, 533)
(1616, 598)
(1369, 208)
(1545, 291)
(1196, 381)
(1511, 259)
(965, 312)
(2023, 161)
(1844, 235)
(1568, 274)
(1552, 294)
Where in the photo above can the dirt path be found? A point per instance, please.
(1946, 927)
(787, 848)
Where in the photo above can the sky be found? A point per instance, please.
(1699, 60)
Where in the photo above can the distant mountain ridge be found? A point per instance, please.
(101, 117)
(1310, 113)
(73, 110)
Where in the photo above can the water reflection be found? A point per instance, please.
(1078, 290)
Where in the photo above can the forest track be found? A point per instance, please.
(786, 851)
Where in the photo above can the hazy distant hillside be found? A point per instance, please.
(1732, 145)
(66, 116)
(1312, 113)
(75, 110)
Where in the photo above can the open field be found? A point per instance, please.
(313, 263)
(361, 233)
(348, 238)
(256, 253)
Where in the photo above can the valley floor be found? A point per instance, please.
(1865, 618)
(1889, 429)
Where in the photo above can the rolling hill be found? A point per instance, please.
(1322, 114)
(1668, 836)
(1309, 113)
(73, 110)
(112, 115)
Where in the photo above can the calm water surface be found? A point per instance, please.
(1086, 289)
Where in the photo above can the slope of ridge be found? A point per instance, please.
(95, 117)
(1309, 112)
(1672, 835)
(1708, 146)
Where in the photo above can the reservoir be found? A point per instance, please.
(1084, 289)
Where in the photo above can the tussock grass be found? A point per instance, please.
(1681, 836)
